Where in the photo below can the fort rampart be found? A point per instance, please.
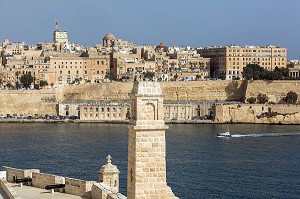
(30, 102)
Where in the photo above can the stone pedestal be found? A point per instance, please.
(146, 176)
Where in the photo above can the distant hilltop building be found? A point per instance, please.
(60, 36)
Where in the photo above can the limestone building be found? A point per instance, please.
(227, 62)
(146, 175)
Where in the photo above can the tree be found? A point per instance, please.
(26, 80)
(251, 100)
(253, 71)
(291, 97)
(9, 85)
(262, 98)
(43, 83)
(176, 77)
(148, 75)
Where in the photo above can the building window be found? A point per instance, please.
(108, 109)
(114, 109)
(85, 109)
(102, 109)
(97, 110)
(91, 109)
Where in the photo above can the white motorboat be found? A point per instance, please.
(226, 134)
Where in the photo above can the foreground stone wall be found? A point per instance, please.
(18, 173)
(41, 180)
(102, 191)
(79, 187)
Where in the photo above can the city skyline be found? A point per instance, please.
(193, 23)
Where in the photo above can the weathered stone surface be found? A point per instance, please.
(146, 176)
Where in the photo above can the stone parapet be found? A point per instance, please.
(10, 192)
(41, 180)
(78, 187)
(102, 191)
(12, 173)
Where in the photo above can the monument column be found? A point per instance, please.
(146, 175)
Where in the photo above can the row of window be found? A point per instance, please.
(102, 115)
(85, 72)
(102, 109)
(98, 62)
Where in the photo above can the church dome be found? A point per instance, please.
(109, 36)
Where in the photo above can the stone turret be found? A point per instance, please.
(146, 175)
(109, 175)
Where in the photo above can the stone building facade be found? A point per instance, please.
(120, 110)
(227, 62)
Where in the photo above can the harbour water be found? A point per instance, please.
(260, 161)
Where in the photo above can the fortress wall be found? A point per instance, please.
(187, 90)
(11, 172)
(28, 102)
(78, 187)
(274, 89)
(41, 180)
(257, 113)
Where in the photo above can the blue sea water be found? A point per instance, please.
(259, 161)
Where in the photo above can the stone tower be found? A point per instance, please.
(109, 175)
(146, 175)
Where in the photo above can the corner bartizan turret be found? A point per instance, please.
(109, 175)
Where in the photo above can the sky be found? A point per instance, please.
(195, 23)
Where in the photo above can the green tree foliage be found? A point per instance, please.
(148, 75)
(262, 98)
(291, 97)
(43, 83)
(26, 80)
(251, 100)
(255, 72)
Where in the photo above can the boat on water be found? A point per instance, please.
(226, 134)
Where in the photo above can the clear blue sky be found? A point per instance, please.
(193, 23)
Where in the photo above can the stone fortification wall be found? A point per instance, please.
(10, 192)
(41, 180)
(18, 173)
(28, 102)
(275, 90)
(187, 90)
(257, 113)
(102, 191)
(79, 187)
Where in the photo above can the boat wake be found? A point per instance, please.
(265, 135)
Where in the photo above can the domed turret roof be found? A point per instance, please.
(109, 36)
(161, 45)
